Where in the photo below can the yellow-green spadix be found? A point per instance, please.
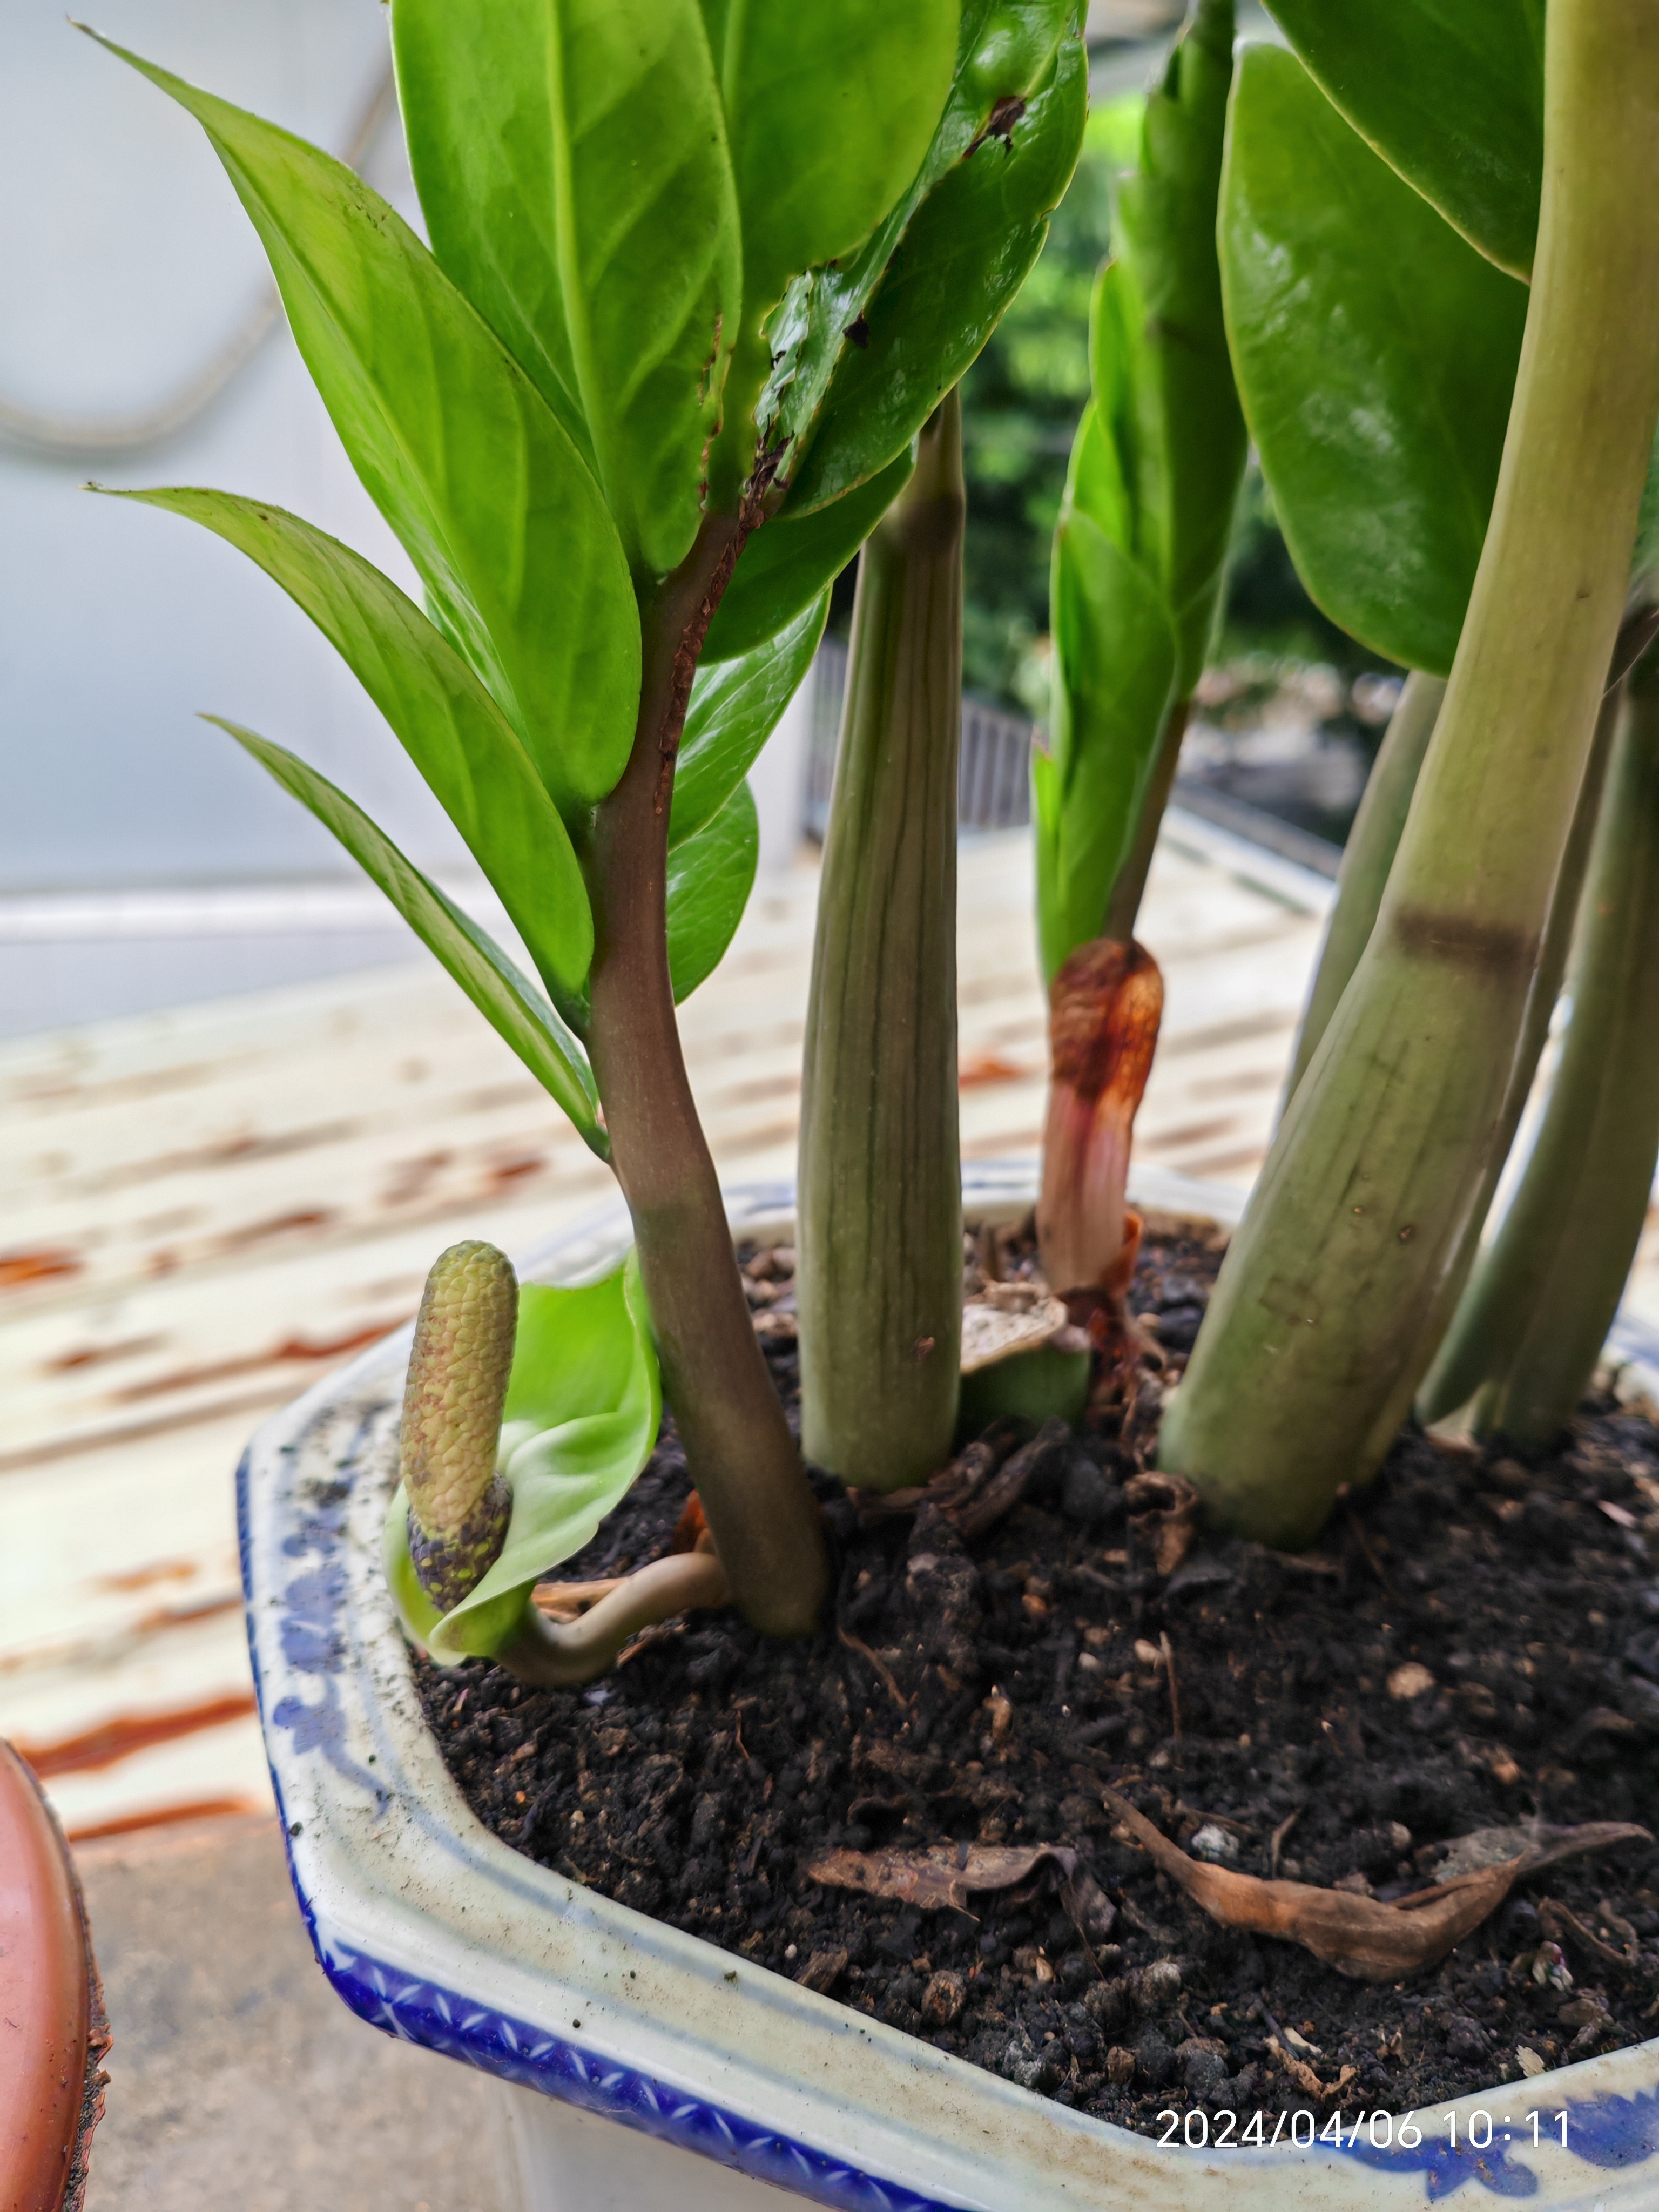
(458, 1506)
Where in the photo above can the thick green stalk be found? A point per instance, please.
(878, 1271)
(1546, 1290)
(1457, 1368)
(1367, 859)
(761, 1512)
(1314, 1341)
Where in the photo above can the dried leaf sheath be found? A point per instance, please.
(1362, 1937)
(1105, 1005)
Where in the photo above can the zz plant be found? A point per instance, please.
(1445, 327)
(1138, 563)
(699, 273)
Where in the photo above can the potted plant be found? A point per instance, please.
(700, 283)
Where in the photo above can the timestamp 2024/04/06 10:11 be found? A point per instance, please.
(1477, 2130)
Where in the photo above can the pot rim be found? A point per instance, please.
(434, 1929)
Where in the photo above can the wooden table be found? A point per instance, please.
(205, 1209)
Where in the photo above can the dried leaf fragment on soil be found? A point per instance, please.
(949, 1874)
(1360, 1935)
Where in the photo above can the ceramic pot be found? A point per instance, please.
(54, 2032)
(647, 2067)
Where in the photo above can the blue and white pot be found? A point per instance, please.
(649, 2068)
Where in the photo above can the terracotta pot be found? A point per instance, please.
(723, 2076)
(52, 2029)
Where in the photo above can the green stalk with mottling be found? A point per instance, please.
(1450, 1379)
(1313, 1343)
(1367, 858)
(878, 1273)
(1545, 1288)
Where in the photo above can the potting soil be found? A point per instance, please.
(1472, 1644)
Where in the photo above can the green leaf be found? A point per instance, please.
(583, 1406)
(1114, 661)
(967, 249)
(1452, 97)
(710, 877)
(790, 560)
(452, 729)
(1161, 311)
(571, 160)
(829, 112)
(1005, 51)
(470, 466)
(735, 707)
(511, 1005)
(1375, 353)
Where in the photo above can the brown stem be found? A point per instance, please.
(1104, 1009)
(761, 1512)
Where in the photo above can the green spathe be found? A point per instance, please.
(878, 1267)
(580, 1419)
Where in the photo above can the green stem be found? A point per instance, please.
(1458, 1367)
(878, 1271)
(1367, 859)
(761, 1512)
(1547, 1288)
(1314, 1341)
(1123, 905)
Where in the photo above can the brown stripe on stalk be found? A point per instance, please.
(1104, 1008)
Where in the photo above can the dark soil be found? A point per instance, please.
(983, 1690)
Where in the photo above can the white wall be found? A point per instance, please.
(125, 262)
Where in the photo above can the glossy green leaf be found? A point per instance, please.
(1375, 353)
(1114, 661)
(1005, 51)
(829, 112)
(789, 561)
(571, 160)
(735, 707)
(967, 249)
(583, 1406)
(1159, 314)
(511, 1005)
(710, 877)
(1451, 94)
(452, 729)
(468, 464)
